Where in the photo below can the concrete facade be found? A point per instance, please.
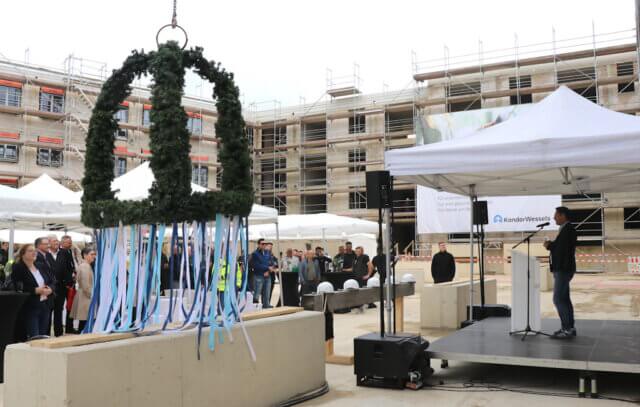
(303, 156)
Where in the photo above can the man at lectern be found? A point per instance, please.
(563, 266)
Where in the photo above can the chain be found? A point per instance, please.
(174, 19)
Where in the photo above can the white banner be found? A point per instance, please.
(442, 212)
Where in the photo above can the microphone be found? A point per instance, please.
(543, 225)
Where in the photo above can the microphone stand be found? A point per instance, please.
(527, 330)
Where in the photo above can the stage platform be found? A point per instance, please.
(601, 346)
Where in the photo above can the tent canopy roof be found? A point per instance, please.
(564, 144)
(44, 199)
(41, 200)
(29, 236)
(135, 184)
(47, 187)
(316, 226)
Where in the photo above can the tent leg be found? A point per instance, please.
(387, 251)
(12, 231)
(471, 258)
(279, 257)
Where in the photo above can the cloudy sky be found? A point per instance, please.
(280, 50)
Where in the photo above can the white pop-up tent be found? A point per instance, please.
(320, 226)
(35, 204)
(135, 184)
(564, 144)
(29, 236)
(48, 188)
(43, 202)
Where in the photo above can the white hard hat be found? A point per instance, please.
(351, 284)
(373, 282)
(325, 287)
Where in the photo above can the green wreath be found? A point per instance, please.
(170, 198)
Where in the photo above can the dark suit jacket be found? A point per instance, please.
(43, 263)
(24, 280)
(563, 250)
(62, 267)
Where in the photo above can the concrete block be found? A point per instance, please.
(419, 269)
(546, 278)
(163, 369)
(445, 305)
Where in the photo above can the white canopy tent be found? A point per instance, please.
(34, 205)
(135, 184)
(564, 144)
(262, 214)
(29, 236)
(47, 187)
(320, 226)
(44, 200)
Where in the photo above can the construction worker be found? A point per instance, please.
(222, 279)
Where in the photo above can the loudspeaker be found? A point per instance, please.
(378, 189)
(480, 213)
(391, 360)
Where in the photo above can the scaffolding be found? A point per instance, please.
(313, 149)
(592, 65)
(580, 63)
(270, 155)
(345, 94)
(83, 77)
(54, 102)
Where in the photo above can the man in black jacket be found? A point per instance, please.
(563, 266)
(443, 265)
(64, 268)
(44, 265)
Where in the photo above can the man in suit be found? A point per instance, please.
(61, 262)
(66, 246)
(563, 266)
(44, 265)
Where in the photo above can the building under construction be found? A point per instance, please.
(313, 157)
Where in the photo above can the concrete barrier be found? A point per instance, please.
(445, 305)
(163, 370)
(416, 268)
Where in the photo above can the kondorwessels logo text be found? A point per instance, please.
(521, 219)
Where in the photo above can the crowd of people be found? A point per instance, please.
(312, 266)
(56, 278)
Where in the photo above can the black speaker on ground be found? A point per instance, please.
(378, 189)
(480, 213)
(392, 361)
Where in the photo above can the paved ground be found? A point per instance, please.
(594, 297)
